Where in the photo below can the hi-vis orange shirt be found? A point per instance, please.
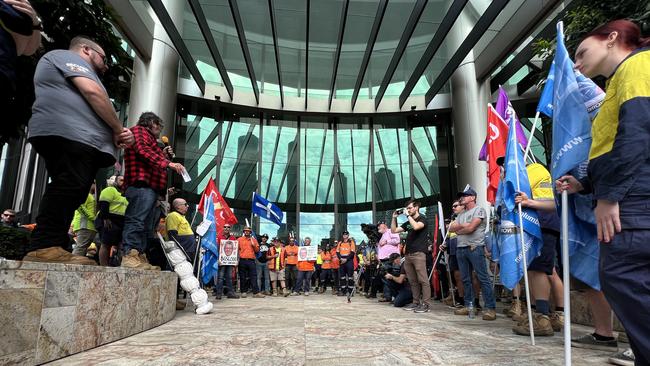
(304, 266)
(335, 259)
(292, 254)
(346, 248)
(248, 247)
(327, 260)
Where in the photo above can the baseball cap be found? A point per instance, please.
(468, 191)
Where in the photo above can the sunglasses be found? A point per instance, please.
(226, 227)
(102, 56)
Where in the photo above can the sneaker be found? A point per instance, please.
(489, 314)
(541, 326)
(259, 295)
(294, 294)
(590, 342)
(423, 308)
(143, 259)
(462, 311)
(515, 309)
(57, 255)
(306, 293)
(625, 358)
(132, 260)
(411, 306)
(285, 292)
(557, 321)
(244, 295)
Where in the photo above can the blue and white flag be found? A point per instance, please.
(576, 101)
(545, 104)
(210, 264)
(263, 208)
(510, 248)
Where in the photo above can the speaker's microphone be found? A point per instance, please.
(165, 141)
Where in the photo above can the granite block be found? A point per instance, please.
(56, 333)
(61, 289)
(11, 279)
(20, 313)
(49, 311)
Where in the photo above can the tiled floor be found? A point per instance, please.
(326, 330)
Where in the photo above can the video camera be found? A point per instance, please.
(372, 232)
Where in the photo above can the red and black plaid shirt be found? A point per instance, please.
(145, 163)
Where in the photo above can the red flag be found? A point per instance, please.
(222, 211)
(436, 276)
(497, 135)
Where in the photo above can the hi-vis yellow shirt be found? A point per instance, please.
(541, 183)
(619, 160)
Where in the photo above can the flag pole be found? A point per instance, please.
(523, 248)
(566, 278)
(530, 138)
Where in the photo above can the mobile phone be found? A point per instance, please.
(400, 211)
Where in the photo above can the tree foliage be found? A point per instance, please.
(62, 21)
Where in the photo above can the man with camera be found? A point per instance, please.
(396, 281)
(415, 264)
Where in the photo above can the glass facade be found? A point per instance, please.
(328, 173)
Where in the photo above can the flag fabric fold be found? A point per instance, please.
(575, 102)
(497, 135)
(210, 264)
(510, 248)
(505, 110)
(222, 212)
(265, 209)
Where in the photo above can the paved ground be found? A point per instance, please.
(325, 330)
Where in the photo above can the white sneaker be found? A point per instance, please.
(306, 293)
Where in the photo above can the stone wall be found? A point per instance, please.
(49, 311)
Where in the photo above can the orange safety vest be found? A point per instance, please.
(270, 255)
(292, 254)
(248, 247)
(327, 260)
(345, 248)
(335, 259)
(304, 266)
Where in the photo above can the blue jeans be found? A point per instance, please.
(225, 274)
(468, 259)
(263, 279)
(400, 292)
(304, 281)
(138, 218)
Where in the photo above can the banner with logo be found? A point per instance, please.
(308, 253)
(228, 252)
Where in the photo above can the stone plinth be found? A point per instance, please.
(49, 311)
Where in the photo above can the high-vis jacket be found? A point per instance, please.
(346, 249)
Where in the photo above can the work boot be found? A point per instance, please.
(557, 320)
(259, 295)
(462, 311)
(489, 314)
(321, 291)
(448, 301)
(143, 259)
(180, 304)
(132, 260)
(232, 295)
(515, 309)
(541, 326)
(285, 292)
(57, 255)
(521, 317)
(333, 291)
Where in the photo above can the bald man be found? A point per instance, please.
(179, 229)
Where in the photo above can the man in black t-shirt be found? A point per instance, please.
(263, 279)
(415, 264)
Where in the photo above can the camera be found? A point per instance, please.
(372, 232)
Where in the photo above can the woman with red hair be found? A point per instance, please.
(619, 173)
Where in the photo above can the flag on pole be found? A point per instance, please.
(222, 212)
(263, 208)
(511, 251)
(576, 100)
(497, 135)
(505, 110)
(545, 104)
(436, 276)
(209, 243)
